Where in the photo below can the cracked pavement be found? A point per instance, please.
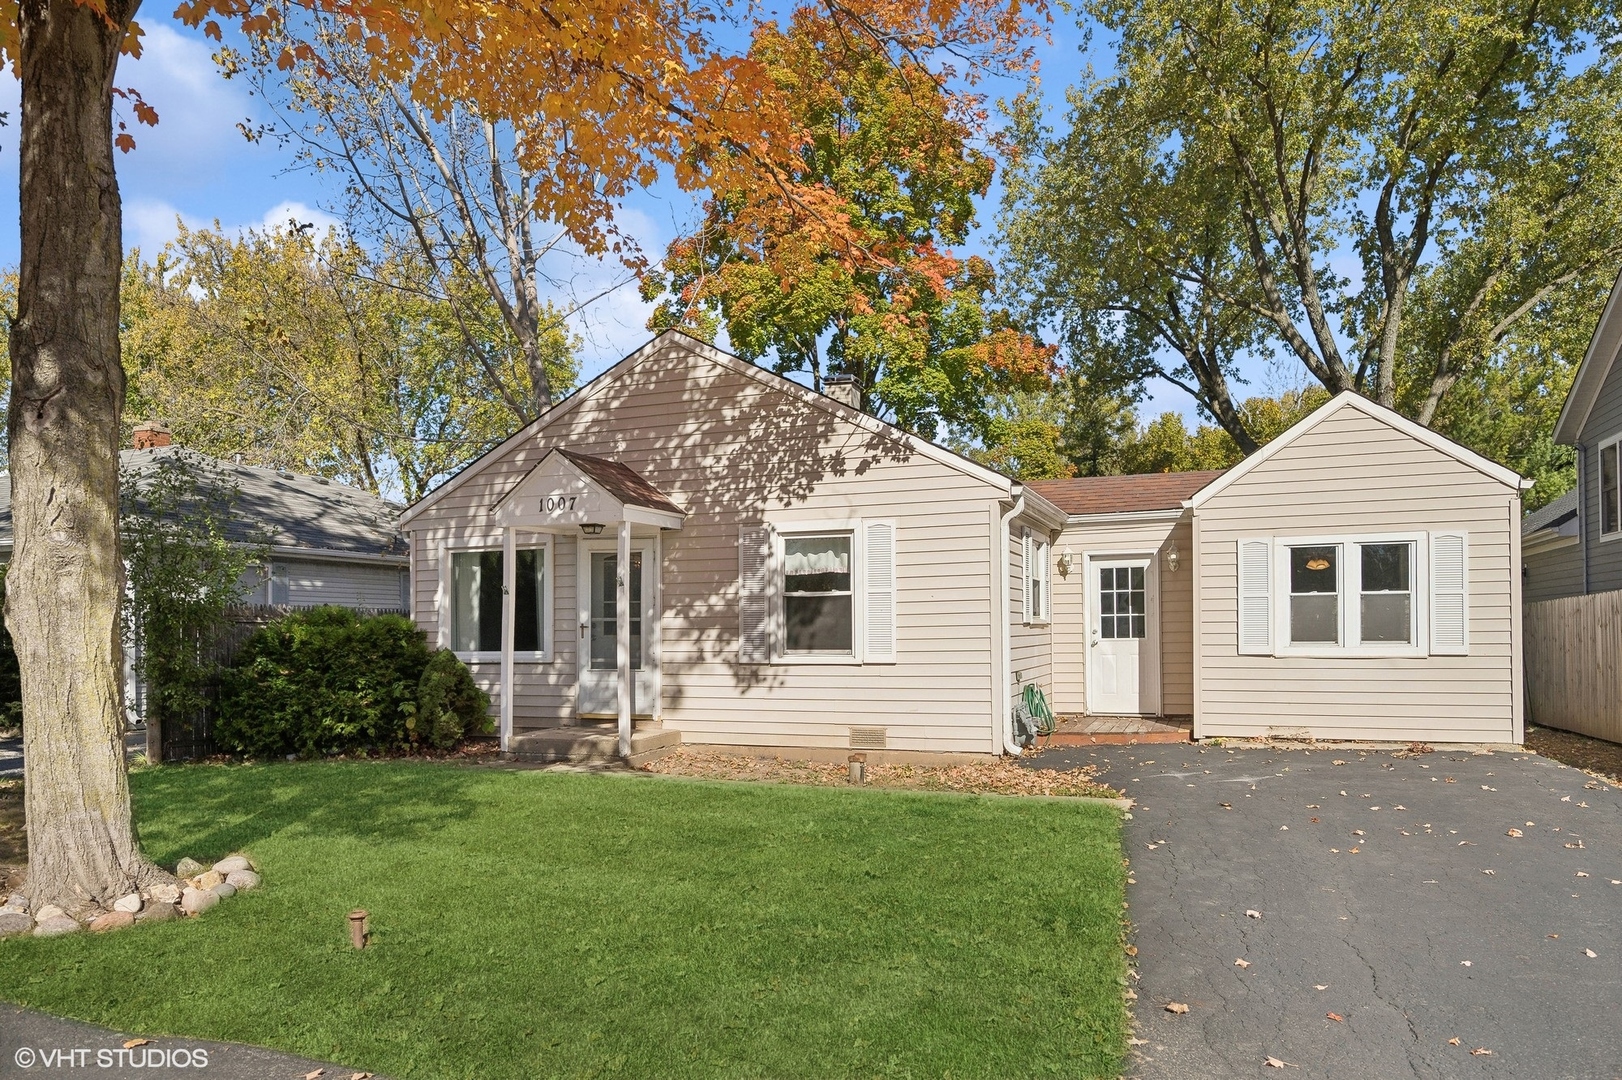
(1391, 882)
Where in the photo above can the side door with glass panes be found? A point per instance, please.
(1119, 616)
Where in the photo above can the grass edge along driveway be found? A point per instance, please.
(531, 924)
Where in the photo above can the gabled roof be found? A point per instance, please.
(623, 482)
(1132, 493)
(1592, 372)
(1348, 399)
(1555, 513)
(805, 395)
(281, 509)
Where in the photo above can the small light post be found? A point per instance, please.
(358, 934)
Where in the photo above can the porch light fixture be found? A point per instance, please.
(592, 528)
(1174, 558)
(1065, 562)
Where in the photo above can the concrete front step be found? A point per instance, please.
(586, 743)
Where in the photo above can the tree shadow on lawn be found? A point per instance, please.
(209, 811)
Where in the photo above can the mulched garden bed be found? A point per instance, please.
(1003, 777)
(1579, 751)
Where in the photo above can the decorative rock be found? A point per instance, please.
(235, 862)
(164, 893)
(197, 901)
(207, 881)
(15, 922)
(242, 880)
(49, 911)
(157, 913)
(187, 867)
(130, 903)
(113, 920)
(17, 902)
(224, 890)
(56, 926)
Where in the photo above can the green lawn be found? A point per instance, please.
(534, 924)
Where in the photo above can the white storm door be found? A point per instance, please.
(1118, 606)
(598, 675)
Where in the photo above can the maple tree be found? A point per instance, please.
(601, 98)
(893, 150)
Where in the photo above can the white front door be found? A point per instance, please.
(598, 691)
(1119, 656)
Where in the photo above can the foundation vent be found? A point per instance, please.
(869, 738)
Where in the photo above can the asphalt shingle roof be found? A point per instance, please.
(1552, 513)
(275, 507)
(1122, 494)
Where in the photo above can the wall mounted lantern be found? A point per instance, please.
(1174, 558)
(592, 528)
(1066, 561)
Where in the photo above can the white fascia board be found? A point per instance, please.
(1039, 509)
(1593, 371)
(1126, 517)
(1546, 540)
(1349, 399)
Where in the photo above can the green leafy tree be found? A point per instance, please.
(1203, 200)
(885, 302)
(185, 571)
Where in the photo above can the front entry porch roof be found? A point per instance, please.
(570, 489)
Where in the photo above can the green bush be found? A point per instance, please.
(450, 706)
(323, 681)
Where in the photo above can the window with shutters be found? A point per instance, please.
(1038, 587)
(818, 591)
(1382, 595)
(818, 595)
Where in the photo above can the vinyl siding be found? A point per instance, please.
(1353, 474)
(1072, 620)
(316, 582)
(1604, 423)
(1030, 644)
(1553, 573)
(734, 451)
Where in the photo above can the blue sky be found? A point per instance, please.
(196, 166)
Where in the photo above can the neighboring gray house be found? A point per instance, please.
(1574, 545)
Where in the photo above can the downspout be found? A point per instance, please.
(1005, 690)
(1582, 511)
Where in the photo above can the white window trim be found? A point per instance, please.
(522, 542)
(1350, 589)
(1599, 489)
(1036, 559)
(784, 530)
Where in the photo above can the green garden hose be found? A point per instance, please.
(1036, 703)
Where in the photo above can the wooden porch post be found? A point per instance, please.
(622, 635)
(509, 608)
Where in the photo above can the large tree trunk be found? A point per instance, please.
(65, 581)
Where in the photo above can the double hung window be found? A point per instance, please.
(476, 596)
(1353, 594)
(1610, 488)
(818, 611)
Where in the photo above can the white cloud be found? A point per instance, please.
(149, 224)
(300, 213)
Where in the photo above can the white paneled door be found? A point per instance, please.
(1120, 654)
(598, 675)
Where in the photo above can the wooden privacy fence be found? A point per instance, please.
(1573, 660)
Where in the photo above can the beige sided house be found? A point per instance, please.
(805, 578)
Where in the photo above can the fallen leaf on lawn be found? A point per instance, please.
(1241, 962)
(130, 1044)
(1275, 1063)
(1131, 950)
(1514, 832)
(1131, 994)
(1453, 1042)
(1336, 1017)
(1253, 913)
(1481, 1051)
(1324, 986)
(1590, 953)
(1176, 1007)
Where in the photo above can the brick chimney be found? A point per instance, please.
(150, 435)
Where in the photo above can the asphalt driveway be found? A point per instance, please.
(1420, 900)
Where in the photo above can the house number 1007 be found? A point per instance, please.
(553, 503)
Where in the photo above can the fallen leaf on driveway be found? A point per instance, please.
(1566, 799)
(1555, 937)
(1453, 1042)
(1275, 1063)
(1354, 850)
(1590, 953)
(1357, 832)
(1489, 873)
(1253, 913)
(1399, 808)
(1315, 821)
(1131, 994)
(1462, 843)
(1578, 844)
(1325, 986)
(1337, 761)
(1131, 950)
(1241, 962)
(131, 1044)
(1227, 806)
(1283, 828)
(1481, 1051)
(1137, 1042)
(313, 1074)
(1582, 873)
(1449, 780)
(1313, 806)
(1176, 1007)
(1514, 832)
(1336, 1017)
(1466, 963)
(360, 1076)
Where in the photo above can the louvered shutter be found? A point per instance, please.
(754, 594)
(1449, 580)
(1255, 597)
(879, 629)
(1025, 576)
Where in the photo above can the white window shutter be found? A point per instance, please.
(1255, 597)
(878, 551)
(1025, 575)
(1449, 580)
(754, 594)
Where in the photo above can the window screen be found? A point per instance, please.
(1387, 601)
(817, 600)
(1314, 594)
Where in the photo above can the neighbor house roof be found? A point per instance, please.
(622, 482)
(1603, 348)
(284, 510)
(1557, 512)
(1133, 493)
